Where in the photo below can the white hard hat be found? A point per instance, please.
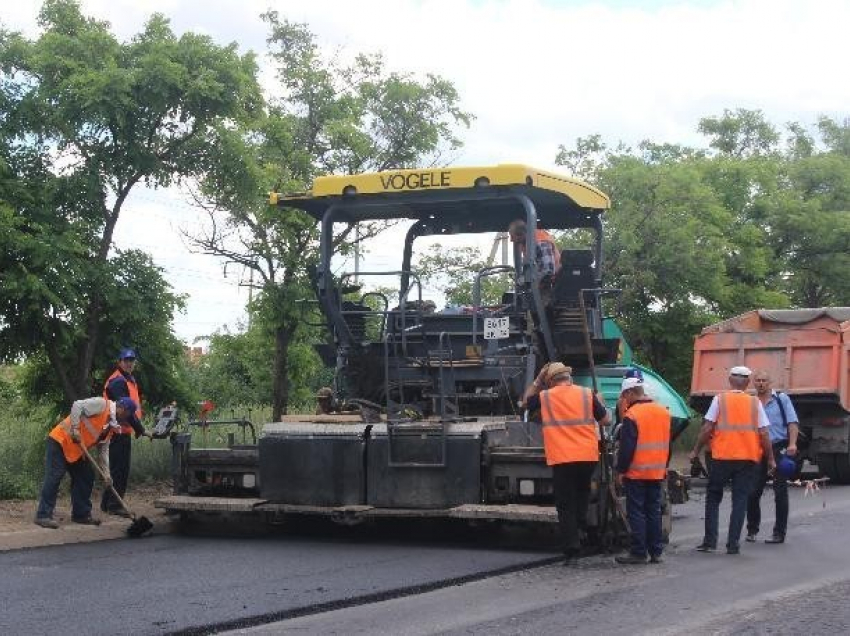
(630, 383)
(741, 371)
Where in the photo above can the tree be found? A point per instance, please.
(452, 271)
(137, 310)
(92, 118)
(697, 236)
(331, 117)
(742, 133)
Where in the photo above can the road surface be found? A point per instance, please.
(336, 584)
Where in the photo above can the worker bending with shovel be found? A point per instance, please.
(91, 422)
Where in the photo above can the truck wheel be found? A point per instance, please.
(836, 466)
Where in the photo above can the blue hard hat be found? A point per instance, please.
(786, 467)
(634, 372)
(127, 353)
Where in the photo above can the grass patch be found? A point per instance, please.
(23, 431)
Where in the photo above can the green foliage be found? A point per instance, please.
(86, 118)
(453, 272)
(234, 371)
(740, 134)
(23, 429)
(138, 306)
(329, 118)
(696, 237)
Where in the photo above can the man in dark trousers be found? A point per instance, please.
(92, 422)
(569, 414)
(118, 385)
(641, 469)
(783, 430)
(735, 428)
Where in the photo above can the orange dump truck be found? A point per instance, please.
(807, 353)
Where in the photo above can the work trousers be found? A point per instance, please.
(571, 483)
(741, 473)
(119, 469)
(643, 507)
(82, 483)
(780, 496)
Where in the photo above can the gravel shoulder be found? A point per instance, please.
(18, 531)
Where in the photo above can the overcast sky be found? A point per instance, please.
(535, 74)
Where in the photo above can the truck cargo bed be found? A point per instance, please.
(806, 352)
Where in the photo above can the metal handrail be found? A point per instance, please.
(476, 294)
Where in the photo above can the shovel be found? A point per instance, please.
(140, 525)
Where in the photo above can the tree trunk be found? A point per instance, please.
(280, 400)
(88, 344)
(69, 388)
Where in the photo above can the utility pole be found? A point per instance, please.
(501, 240)
(250, 295)
(356, 253)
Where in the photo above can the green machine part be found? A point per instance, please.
(609, 378)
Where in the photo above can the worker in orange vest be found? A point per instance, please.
(547, 257)
(569, 415)
(91, 422)
(644, 452)
(736, 429)
(122, 383)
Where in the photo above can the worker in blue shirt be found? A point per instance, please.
(784, 430)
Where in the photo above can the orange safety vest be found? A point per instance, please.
(653, 441)
(569, 430)
(91, 429)
(736, 433)
(133, 389)
(542, 236)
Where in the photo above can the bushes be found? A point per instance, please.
(22, 437)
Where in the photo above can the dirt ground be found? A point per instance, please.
(17, 529)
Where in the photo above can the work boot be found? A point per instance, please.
(751, 537)
(87, 521)
(630, 559)
(733, 549)
(777, 538)
(46, 522)
(705, 547)
(655, 559)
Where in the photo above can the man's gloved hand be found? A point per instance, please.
(75, 437)
(107, 483)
